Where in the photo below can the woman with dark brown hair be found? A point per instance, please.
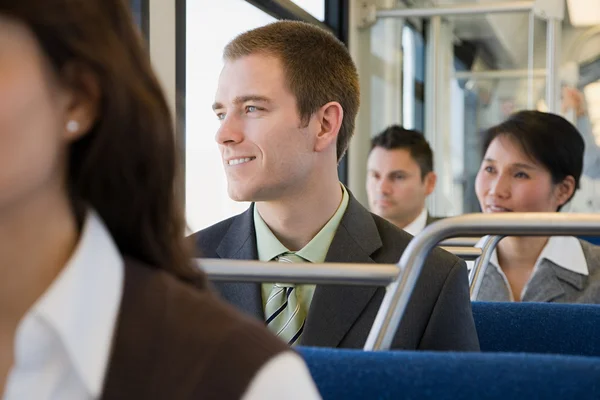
(94, 301)
(533, 162)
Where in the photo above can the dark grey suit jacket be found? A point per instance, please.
(438, 316)
(431, 219)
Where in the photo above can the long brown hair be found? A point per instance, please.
(126, 166)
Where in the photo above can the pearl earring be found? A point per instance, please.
(72, 126)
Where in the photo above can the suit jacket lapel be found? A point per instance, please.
(334, 309)
(239, 243)
(551, 282)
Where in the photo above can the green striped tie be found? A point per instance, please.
(285, 314)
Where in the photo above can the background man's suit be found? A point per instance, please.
(431, 219)
(438, 316)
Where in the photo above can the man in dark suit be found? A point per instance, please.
(400, 176)
(287, 98)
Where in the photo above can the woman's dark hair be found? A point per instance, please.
(126, 166)
(547, 138)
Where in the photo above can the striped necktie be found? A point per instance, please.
(285, 314)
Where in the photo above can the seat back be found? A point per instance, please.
(538, 328)
(595, 240)
(356, 374)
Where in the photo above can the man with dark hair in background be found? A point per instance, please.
(400, 177)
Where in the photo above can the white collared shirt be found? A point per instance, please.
(564, 251)
(285, 376)
(415, 227)
(63, 343)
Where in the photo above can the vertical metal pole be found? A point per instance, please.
(433, 80)
(391, 42)
(530, 50)
(478, 272)
(408, 78)
(433, 91)
(553, 36)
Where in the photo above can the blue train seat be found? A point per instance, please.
(354, 374)
(592, 239)
(538, 328)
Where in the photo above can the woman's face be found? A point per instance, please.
(35, 115)
(508, 180)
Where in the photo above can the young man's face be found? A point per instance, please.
(266, 151)
(395, 188)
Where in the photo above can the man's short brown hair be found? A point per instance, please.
(317, 66)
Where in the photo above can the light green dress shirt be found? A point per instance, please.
(315, 251)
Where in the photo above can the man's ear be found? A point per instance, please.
(329, 117)
(429, 181)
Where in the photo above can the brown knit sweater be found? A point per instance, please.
(173, 341)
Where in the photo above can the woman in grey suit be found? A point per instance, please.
(533, 162)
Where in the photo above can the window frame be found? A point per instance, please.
(419, 94)
(141, 12)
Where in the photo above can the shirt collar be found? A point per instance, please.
(564, 251)
(82, 304)
(415, 227)
(269, 247)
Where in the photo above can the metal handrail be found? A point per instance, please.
(460, 241)
(467, 253)
(325, 273)
(478, 271)
(411, 263)
(458, 9)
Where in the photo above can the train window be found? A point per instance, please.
(209, 26)
(314, 7)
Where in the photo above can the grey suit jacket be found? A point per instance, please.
(438, 316)
(551, 283)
